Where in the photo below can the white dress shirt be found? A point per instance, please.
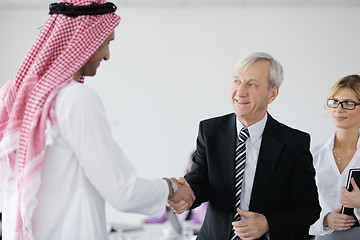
(84, 167)
(329, 182)
(253, 144)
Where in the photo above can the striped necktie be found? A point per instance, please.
(240, 157)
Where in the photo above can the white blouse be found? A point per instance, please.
(329, 182)
(84, 167)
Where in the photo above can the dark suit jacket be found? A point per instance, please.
(284, 187)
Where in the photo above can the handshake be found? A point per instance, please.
(181, 196)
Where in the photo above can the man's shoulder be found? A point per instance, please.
(286, 129)
(287, 134)
(75, 92)
(219, 119)
(76, 87)
(76, 96)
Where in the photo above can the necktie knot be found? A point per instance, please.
(244, 134)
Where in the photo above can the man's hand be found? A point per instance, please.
(253, 227)
(184, 198)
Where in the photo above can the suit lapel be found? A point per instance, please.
(268, 156)
(227, 141)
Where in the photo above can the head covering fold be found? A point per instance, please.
(62, 47)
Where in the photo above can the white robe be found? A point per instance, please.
(84, 167)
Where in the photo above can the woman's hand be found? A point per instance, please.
(351, 199)
(338, 222)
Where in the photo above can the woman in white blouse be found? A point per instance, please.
(333, 160)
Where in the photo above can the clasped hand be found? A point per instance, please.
(184, 198)
(341, 222)
(252, 227)
(337, 221)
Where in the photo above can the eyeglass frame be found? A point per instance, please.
(341, 103)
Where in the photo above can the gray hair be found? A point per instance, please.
(276, 73)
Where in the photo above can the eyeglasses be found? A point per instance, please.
(348, 105)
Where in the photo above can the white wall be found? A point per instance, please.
(170, 68)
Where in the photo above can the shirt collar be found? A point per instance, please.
(256, 130)
(331, 141)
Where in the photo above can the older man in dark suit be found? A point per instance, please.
(261, 186)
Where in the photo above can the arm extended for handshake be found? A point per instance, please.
(181, 196)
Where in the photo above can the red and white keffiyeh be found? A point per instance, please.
(27, 102)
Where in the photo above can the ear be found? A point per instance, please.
(273, 94)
